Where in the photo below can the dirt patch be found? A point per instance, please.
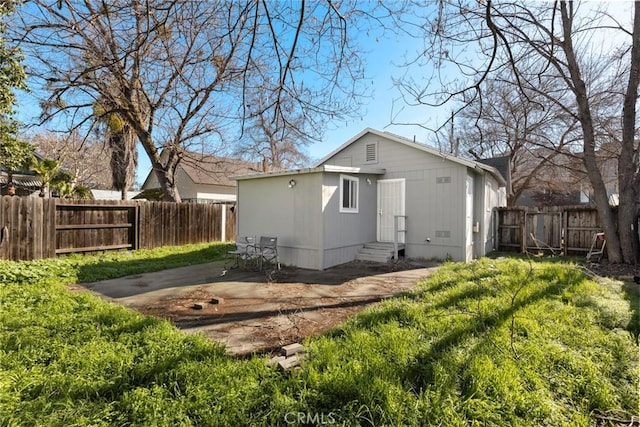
(258, 312)
(626, 272)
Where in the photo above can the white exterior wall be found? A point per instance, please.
(435, 195)
(313, 233)
(345, 233)
(268, 207)
(214, 192)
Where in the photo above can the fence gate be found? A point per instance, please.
(567, 230)
(95, 227)
(543, 232)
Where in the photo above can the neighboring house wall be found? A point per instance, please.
(190, 191)
(215, 193)
(563, 181)
(112, 194)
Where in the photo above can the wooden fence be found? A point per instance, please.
(566, 230)
(34, 227)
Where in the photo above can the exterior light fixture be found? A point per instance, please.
(368, 181)
(292, 183)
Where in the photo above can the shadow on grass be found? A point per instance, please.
(632, 294)
(422, 374)
(104, 270)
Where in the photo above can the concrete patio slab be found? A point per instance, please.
(251, 312)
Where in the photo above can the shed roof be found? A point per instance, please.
(402, 140)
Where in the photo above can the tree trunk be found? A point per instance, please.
(11, 188)
(628, 161)
(588, 135)
(627, 222)
(164, 172)
(167, 183)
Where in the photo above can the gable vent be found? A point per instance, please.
(371, 154)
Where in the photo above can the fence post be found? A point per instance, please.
(565, 224)
(223, 232)
(523, 231)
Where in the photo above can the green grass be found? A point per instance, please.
(109, 265)
(494, 342)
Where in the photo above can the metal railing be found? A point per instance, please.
(397, 230)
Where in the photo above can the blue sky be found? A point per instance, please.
(383, 57)
(382, 63)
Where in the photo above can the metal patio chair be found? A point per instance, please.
(245, 253)
(268, 251)
(598, 243)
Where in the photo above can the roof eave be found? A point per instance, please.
(493, 171)
(318, 169)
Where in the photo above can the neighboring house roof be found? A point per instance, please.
(402, 140)
(213, 170)
(21, 180)
(503, 165)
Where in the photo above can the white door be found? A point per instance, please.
(469, 220)
(390, 204)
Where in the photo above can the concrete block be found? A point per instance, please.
(274, 361)
(289, 363)
(291, 349)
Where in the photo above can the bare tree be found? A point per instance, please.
(180, 73)
(587, 51)
(83, 158)
(539, 139)
(272, 142)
